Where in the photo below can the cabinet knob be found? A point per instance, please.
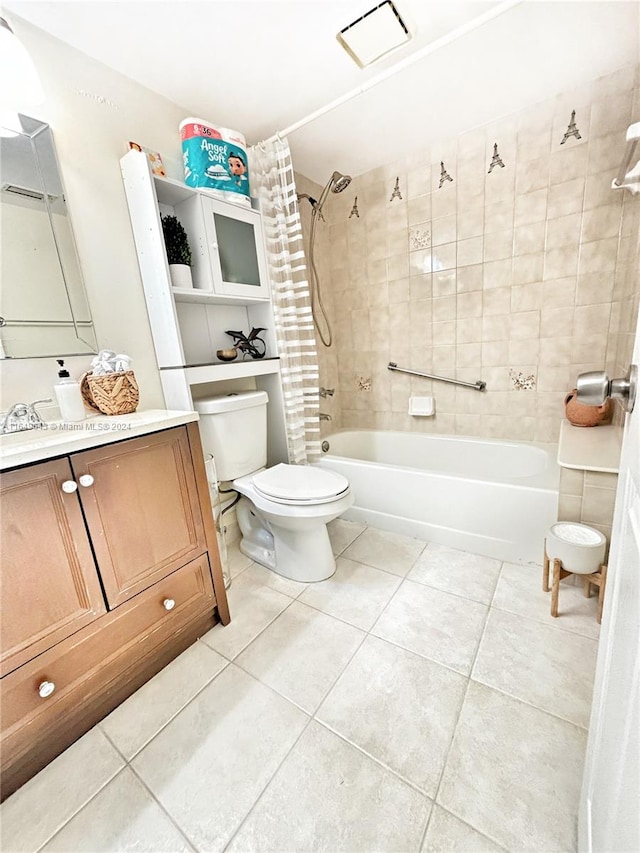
(69, 486)
(46, 689)
(86, 480)
(168, 604)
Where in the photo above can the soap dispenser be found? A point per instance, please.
(68, 395)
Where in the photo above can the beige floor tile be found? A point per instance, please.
(469, 575)
(32, 815)
(514, 773)
(442, 627)
(137, 720)
(301, 654)
(383, 550)
(328, 796)
(519, 590)
(273, 580)
(355, 593)
(253, 605)
(210, 763)
(381, 703)
(124, 817)
(551, 669)
(447, 834)
(342, 533)
(236, 560)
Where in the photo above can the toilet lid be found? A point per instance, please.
(300, 484)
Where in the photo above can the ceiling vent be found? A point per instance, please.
(374, 34)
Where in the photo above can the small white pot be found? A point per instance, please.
(181, 276)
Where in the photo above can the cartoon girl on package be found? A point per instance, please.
(237, 168)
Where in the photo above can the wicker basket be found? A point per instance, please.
(112, 394)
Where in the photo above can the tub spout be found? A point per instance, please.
(324, 416)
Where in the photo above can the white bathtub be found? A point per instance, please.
(489, 497)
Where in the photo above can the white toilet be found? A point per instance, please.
(285, 510)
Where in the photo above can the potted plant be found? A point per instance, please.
(178, 252)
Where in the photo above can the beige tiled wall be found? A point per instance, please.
(518, 276)
(589, 497)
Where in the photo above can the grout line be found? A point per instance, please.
(543, 621)
(464, 699)
(165, 811)
(530, 704)
(472, 827)
(261, 631)
(324, 696)
(269, 781)
(375, 759)
(177, 713)
(82, 807)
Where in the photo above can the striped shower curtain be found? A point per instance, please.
(272, 181)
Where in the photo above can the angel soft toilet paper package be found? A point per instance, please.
(215, 159)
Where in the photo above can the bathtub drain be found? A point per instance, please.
(325, 446)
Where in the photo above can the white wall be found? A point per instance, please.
(94, 112)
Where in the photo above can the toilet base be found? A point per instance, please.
(303, 554)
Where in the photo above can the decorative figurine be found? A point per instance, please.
(249, 344)
(496, 160)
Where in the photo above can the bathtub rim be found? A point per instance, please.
(549, 448)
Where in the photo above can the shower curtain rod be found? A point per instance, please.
(454, 35)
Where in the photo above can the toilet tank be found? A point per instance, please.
(233, 429)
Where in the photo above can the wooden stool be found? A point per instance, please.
(575, 549)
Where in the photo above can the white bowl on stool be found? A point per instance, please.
(579, 548)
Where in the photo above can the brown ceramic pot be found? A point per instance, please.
(586, 416)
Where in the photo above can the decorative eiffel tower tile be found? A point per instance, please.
(496, 160)
(444, 175)
(354, 209)
(396, 191)
(572, 130)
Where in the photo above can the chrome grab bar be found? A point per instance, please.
(477, 386)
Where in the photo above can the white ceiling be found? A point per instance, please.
(261, 65)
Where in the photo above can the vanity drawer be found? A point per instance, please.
(86, 664)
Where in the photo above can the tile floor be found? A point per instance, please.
(422, 699)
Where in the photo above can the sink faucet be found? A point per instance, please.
(23, 416)
(324, 416)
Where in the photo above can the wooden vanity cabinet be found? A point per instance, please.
(101, 585)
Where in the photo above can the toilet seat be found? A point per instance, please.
(300, 485)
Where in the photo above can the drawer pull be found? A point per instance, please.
(46, 689)
(168, 604)
(69, 486)
(86, 480)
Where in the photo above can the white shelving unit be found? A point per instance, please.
(188, 326)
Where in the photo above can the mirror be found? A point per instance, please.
(43, 305)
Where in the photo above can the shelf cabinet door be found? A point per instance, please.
(141, 507)
(50, 586)
(228, 248)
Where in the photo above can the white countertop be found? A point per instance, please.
(57, 438)
(590, 448)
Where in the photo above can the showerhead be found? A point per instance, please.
(340, 182)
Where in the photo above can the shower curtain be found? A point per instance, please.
(272, 181)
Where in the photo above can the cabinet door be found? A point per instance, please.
(141, 506)
(50, 587)
(237, 257)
